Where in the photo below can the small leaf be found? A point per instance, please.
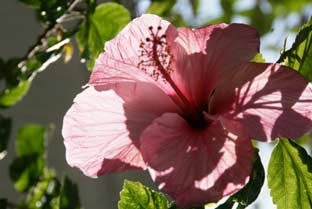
(5, 130)
(25, 171)
(31, 140)
(69, 196)
(258, 58)
(108, 19)
(290, 176)
(299, 56)
(161, 8)
(68, 52)
(14, 94)
(134, 195)
(45, 194)
(250, 192)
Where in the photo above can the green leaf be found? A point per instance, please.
(195, 6)
(299, 56)
(286, 7)
(290, 176)
(14, 94)
(5, 130)
(134, 195)
(69, 196)
(161, 8)
(25, 171)
(250, 192)
(31, 140)
(3, 203)
(45, 194)
(258, 58)
(30, 162)
(108, 19)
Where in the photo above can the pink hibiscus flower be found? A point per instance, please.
(184, 104)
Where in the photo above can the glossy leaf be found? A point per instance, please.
(299, 56)
(108, 19)
(5, 130)
(290, 176)
(69, 196)
(134, 195)
(250, 192)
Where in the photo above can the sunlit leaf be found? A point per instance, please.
(107, 20)
(250, 192)
(69, 196)
(134, 195)
(299, 56)
(258, 58)
(290, 176)
(45, 194)
(14, 94)
(31, 139)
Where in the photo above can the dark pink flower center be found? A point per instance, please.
(155, 53)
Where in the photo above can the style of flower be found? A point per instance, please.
(184, 103)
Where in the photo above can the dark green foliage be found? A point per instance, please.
(5, 130)
(290, 176)
(3, 203)
(48, 11)
(69, 196)
(30, 162)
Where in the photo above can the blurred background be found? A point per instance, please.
(53, 87)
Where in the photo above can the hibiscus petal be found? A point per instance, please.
(203, 56)
(102, 128)
(122, 54)
(195, 166)
(269, 100)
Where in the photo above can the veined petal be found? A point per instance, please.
(102, 128)
(269, 100)
(204, 56)
(195, 166)
(120, 61)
